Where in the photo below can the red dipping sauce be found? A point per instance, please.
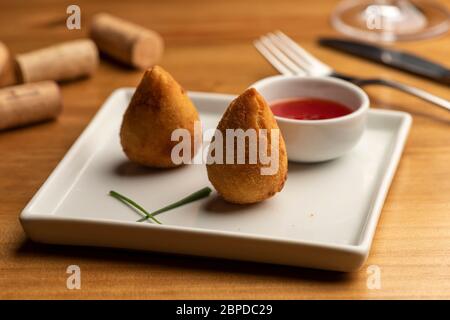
(309, 109)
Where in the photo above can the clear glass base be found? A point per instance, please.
(389, 21)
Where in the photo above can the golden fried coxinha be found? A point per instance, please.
(158, 107)
(245, 183)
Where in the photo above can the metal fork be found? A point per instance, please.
(289, 58)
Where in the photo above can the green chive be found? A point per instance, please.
(202, 193)
(130, 202)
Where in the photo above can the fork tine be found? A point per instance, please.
(290, 53)
(273, 60)
(302, 52)
(281, 56)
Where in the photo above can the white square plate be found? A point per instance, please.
(325, 217)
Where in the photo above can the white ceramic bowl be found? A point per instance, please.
(318, 140)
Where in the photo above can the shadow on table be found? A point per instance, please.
(185, 263)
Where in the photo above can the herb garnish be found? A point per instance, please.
(202, 193)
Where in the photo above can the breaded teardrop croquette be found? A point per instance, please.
(158, 107)
(244, 183)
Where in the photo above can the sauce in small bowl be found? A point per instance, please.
(309, 109)
(320, 118)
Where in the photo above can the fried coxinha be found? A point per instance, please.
(158, 107)
(245, 183)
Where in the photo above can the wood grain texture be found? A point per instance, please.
(209, 48)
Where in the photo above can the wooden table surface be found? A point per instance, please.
(209, 48)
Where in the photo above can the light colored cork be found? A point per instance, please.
(29, 103)
(65, 61)
(126, 42)
(7, 76)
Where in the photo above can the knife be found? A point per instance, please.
(396, 59)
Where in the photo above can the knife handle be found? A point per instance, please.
(416, 65)
(422, 94)
(397, 59)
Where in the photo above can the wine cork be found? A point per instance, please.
(65, 61)
(126, 42)
(29, 103)
(7, 76)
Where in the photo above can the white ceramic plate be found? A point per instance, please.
(325, 217)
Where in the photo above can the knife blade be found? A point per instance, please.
(392, 58)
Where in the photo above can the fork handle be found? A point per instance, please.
(422, 94)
